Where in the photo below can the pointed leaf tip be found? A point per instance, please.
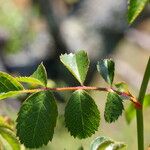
(134, 9)
(106, 68)
(9, 86)
(77, 64)
(40, 74)
(82, 116)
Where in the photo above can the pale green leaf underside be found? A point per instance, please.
(82, 116)
(8, 83)
(117, 146)
(77, 64)
(106, 68)
(122, 87)
(40, 74)
(146, 102)
(103, 143)
(30, 80)
(100, 143)
(10, 138)
(37, 119)
(130, 113)
(134, 8)
(113, 108)
(5, 126)
(9, 94)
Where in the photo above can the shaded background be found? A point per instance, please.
(32, 31)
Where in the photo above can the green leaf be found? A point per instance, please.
(77, 64)
(8, 83)
(134, 8)
(103, 143)
(4, 124)
(40, 74)
(113, 107)
(82, 116)
(130, 111)
(122, 87)
(106, 68)
(30, 80)
(117, 146)
(37, 119)
(9, 94)
(10, 137)
(146, 101)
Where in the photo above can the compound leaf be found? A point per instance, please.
(113, 107)
(106, 68)
(134, 8)
(77, 64)
(40, 74)
(37, 119)
(82, 116)
(10, 137)
(8, 83)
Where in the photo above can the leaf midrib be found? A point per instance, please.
(82, 120)
(35, 128)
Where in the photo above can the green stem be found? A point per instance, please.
(139, 112)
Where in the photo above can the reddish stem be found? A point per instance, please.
(78, 88)
(127, 94)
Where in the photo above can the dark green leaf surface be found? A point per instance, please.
(8, 83)
(113, 107)
(82, 116)
(106, 68)
(41, 74)
(37, 119)
(9, 136)
(77, 64)
(134, 8)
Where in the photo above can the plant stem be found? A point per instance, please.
(139, 113)
(126, 94)
(79, 88)
(68, 89)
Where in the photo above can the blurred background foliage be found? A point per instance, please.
(32, 31)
